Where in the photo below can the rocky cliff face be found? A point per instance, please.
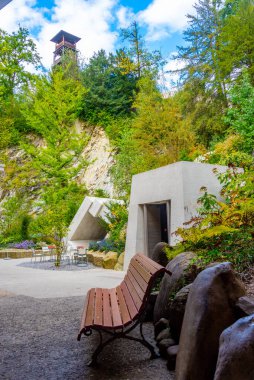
(100, 156)
(98, 153)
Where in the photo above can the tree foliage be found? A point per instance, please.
(136, 58)
(110, 91)
(17, 51)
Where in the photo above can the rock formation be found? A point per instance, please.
(210, 309)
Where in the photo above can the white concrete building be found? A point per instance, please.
(162, 200)
(85, 226)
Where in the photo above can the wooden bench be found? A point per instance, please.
(119, 310)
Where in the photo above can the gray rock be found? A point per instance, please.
(164, 344)
(177, 310)
(164, 334)
(171, 356)
(162, 324)
(159, 255)
(210, 309)
(245, 306)
(236, 354)
(171, 284)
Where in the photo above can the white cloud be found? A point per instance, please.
(88, 19)
(125, 16)
(20, 12)
(163, 17)
(171, 76)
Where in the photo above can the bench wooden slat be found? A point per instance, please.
(129, 301)
(136, 285)
(83, 319)
(123, 307)
(141, 281)
(146, 275)
(107, 316)
(148, 263)
(136, 299)
(90, 308)
(116, 316)
(98, 307)
(147, 259)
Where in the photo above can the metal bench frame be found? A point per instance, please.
(139, 279)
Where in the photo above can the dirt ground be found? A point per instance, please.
(38, 342)
(248, 279)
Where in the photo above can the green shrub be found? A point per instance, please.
(223, 231)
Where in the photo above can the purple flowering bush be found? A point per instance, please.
(26, 244)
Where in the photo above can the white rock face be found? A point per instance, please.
(100, 156)
(97, 153)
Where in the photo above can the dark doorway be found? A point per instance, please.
(164, 222)
(156, 225)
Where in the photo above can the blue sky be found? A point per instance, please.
(98, 22)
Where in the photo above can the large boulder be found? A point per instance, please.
(89, 255)
(110, 260)
(210, 309)
(171, 284)
(236, 354)
(120, 262)
(98, 258)
(177, 310)
(159, 255)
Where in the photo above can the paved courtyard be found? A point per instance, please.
(40, 315)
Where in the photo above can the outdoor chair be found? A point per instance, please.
(46, 252)
(80, 256)
(36, 255)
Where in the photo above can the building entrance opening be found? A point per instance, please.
(157, 226)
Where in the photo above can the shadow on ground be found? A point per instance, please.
(38, 341)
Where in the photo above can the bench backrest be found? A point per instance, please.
(138, 283)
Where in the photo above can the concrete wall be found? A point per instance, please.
(179, 184)
(85, 226)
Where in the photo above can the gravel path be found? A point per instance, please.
(38, 342)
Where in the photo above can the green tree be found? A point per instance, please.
(17, 51)
(158, 135)
(136, 58)
(237, 40)
(110, 91)
(240, 117)
(46, 174)
(51, 112)
(200, 55)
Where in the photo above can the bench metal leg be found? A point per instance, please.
(119, 335)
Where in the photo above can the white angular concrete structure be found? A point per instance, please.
(162, 200)
(85, 226)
